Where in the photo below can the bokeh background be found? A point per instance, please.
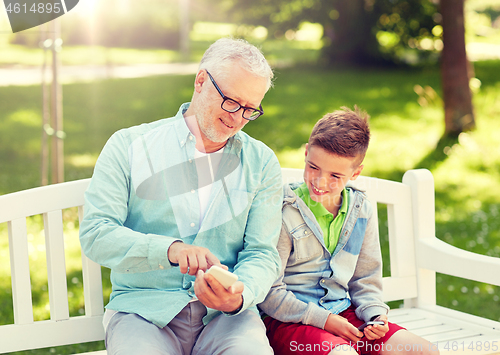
(125, 62)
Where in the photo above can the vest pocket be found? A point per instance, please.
(305, 244)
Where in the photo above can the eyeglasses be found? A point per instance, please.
(230, 105)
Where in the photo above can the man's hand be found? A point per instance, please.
(377, 331)
(341, 327)
(191, 258)
(213, 295)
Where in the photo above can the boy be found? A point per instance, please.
(331, 278)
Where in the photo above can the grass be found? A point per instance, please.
(405, 136)
(85, 55)
(279, 53)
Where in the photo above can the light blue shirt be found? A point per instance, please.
(143, 196)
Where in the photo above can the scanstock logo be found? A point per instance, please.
(24, 14)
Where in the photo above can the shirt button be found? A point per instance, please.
(161, 266)
(190, 138)
(190, 160)
(192, 191)
(305, 232)
(322, 281)
(192, 224)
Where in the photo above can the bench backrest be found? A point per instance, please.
(61, 329)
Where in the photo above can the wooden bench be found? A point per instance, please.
(415, 257)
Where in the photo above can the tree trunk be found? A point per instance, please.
(459, 116)
(351, 39)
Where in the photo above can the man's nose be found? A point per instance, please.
(237, 116)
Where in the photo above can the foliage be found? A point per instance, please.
(355, 31)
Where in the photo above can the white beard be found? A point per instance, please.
(208, 129)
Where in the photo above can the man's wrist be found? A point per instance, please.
(237, 310)
(168, 249)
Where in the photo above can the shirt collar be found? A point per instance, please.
(181, 127)
(317, 208)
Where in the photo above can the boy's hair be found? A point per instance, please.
(344, 132)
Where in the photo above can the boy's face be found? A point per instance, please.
(326, 175)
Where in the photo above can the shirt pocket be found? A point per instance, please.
(305, 244)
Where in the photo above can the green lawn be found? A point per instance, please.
(405, 134)
(277, 52)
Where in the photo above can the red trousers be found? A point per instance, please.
(297, 338)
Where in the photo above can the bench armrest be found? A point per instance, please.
(436, 255)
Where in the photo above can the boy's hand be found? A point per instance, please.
(341, 327)
(191, 258)
(213, 295)
(373, 332)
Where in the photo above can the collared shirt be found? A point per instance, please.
(144, 196)
(330, 226)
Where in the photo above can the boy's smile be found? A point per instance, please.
(326, 175)
(318, 191)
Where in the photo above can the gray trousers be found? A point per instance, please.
(245, 333)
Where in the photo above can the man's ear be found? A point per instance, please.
(201, 78)
(358, 171)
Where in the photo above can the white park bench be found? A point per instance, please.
(415, 257)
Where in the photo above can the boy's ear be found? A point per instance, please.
(307, 147)
(356, 173)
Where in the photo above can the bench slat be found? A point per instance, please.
(20, 272)
(448, 327)
(437, 329)
(42, 199)
(398, 288)
(401, 244)
(292, 175)
(56, 265)
(465, 335)
(424, 323)
(50, 333)
(92, 284)
(92, 287)
(421, 183)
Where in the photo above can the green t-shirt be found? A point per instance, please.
(330, 226)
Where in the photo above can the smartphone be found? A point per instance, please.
(225, 277)
(363, 326)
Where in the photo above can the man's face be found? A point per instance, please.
(217, 125)
(326, 174)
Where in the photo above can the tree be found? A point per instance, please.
(457, 96)
(361, 32)
(355, 31)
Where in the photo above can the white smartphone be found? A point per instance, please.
(225, 277)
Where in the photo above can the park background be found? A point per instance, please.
(120, 45)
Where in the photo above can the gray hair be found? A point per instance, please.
(222, 54)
